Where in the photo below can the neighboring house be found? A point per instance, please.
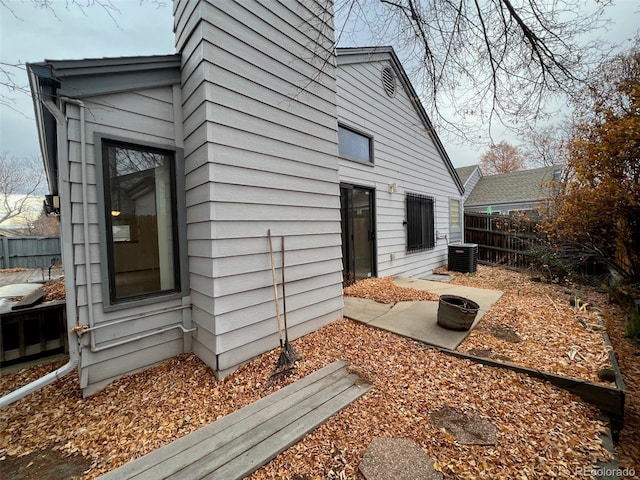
(469, 176)
(520, 191)
(171, 169)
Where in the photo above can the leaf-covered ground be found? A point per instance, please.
(383, 290)
(54, 290)
(543, 432)
(534, 324)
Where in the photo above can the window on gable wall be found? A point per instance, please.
(454, 213)
(141, 220)
(420, 222)
(353, 145)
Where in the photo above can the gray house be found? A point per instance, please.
(171, 169)
(505, 193)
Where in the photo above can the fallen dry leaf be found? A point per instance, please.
(542, 431)
(54, 290)
(13, 270)
(547, 325)
(383, 290)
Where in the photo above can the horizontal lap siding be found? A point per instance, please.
(472, 181)
(260, 146)
(138, 116)
(404, 154)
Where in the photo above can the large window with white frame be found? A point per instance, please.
(420, 222)
(141, 220)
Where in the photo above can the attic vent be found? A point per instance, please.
(389, 81)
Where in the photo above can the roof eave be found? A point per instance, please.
(89, 77)
(45, 124)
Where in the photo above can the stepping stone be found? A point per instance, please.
(397, 459)
(466, 429)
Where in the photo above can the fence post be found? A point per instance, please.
(5, 252)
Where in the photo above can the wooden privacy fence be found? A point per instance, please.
(501, 239)
(29, 252)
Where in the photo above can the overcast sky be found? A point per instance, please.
(28, 34)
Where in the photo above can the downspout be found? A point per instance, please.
(74, 355)
(178, 135)
(85, 214)
(39, 383)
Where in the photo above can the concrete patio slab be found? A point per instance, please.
(419, 320)
(10, 278)
(23, 283)
(364, 309)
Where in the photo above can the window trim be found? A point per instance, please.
(179, 217)
(423, 247)
(362, 134)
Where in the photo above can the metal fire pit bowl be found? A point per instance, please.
(456, 313)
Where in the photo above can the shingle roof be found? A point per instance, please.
(465, 172)
(521, 186)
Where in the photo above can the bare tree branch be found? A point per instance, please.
(19, 181)
(489, 59)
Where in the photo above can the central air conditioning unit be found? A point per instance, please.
(463, 257)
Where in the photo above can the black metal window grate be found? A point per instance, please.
(420, 222)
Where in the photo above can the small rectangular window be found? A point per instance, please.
(141, 217)
(454, 213)
(354, 146)
(420, 222)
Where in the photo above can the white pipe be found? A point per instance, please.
(144, 335)
(73, 342)
(38, 384)
(135, 317)
(85, 214)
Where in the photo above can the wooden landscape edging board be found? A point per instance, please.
(608, 399)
